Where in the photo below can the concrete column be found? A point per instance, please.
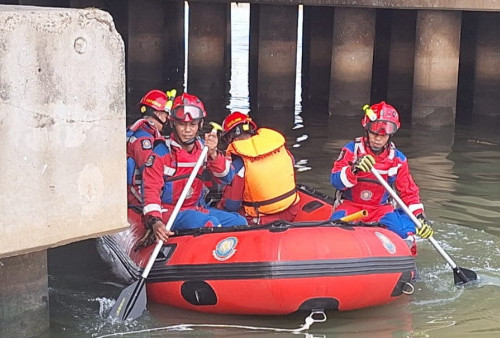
(435, 81)
(487, 65)
(466, 67)
(380, 56)
(316, 58)
(148, 35)
(209, 55)
(273, 61)
(401, 62)
(174, 45)
(352, 60)
(24, 299)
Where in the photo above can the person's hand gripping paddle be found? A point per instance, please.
(460, 275)
(132, 300)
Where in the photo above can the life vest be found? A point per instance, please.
(269, 173)
(176, 171)
(143, 130)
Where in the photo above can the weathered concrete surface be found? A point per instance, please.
(486, 84)
(352, 60)
(62, 122)
(272, 64)
(465, 5)
(24, 298)
(435, 78)
(209, 56)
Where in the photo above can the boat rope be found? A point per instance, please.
(316, 316)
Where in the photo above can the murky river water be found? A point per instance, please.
(458, 175)
(458, 172)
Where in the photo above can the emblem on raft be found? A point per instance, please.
(386, 242)
(225, 248)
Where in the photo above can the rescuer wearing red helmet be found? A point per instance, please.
(169, 166)
(264, 188)
(154, 108)
(358, 189)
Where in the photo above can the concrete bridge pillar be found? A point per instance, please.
(435, 81)
(209, 55)
(487, 65)
(401, 62)
(352, 60)
(152, 31)
(273, 59)
(24, 298)
(63, 147)
(316, 57)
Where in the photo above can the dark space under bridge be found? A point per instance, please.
(438, 62)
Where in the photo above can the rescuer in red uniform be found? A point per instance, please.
(264, 188)
(357, 188)
(169, 166)
(154, 107)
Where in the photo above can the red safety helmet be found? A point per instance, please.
(154, 99)
(235, 124)
(236, 119)
(187, 108)
(381, 119)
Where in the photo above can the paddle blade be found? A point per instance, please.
(462, 275)
(130, 304)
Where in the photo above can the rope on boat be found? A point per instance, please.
(316, 316)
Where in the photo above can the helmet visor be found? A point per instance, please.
(381, 127)
(187, 113)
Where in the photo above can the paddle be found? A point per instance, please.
(132, 300)
(461, 275)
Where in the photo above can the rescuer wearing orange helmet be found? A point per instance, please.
(168, 168)
(154, 108)
(264, 188)
(358, 189)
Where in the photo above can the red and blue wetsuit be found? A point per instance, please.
(363, 191)
(140, 140)
(165, 175)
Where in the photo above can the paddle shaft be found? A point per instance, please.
(413, 218)
(177, 207)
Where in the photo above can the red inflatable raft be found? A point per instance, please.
(279, 268)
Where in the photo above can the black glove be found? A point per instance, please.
(364, 163)
(425, 230)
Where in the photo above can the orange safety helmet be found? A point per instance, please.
(186, 108)
(381, 119)
(154, 99)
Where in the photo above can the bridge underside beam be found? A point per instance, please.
(459, 5)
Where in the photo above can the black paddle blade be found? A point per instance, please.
(462, 276)
(130, 304)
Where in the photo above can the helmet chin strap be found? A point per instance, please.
(154, 116)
